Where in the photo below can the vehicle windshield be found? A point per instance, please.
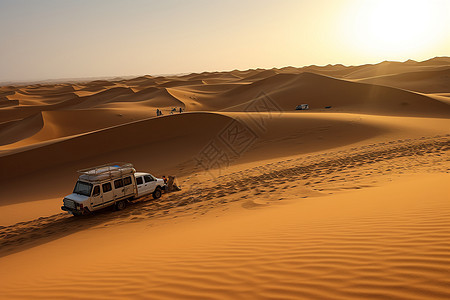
(83, 188)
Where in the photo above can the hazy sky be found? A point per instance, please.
(49, 39)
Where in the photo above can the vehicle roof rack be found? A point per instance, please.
(106, 171)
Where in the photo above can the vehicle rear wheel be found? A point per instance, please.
(121, 205)
(157, 193)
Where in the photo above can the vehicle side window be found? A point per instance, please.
(139, 180)
(148, 178)
(96, 191)
(127, 180)
(106, 187)
(118, 183)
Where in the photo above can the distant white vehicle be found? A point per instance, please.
(111, 184)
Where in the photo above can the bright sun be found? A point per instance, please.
(391, 28)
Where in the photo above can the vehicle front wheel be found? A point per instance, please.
(157, 193)
(121, 205)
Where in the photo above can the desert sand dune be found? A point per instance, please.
(284, 248)
(288, 91)
(408, 66)
(219, 76)
(62, 123)
(371, 70)
(435, 61)
(390, 68)
(96, 140)
(102, 83)
(263, 74)
(140, 81)
(383, 68)
(288, 134)
(338, 71)
(210, 88)
(175, 83)
(289, 70)
(51, 99)
(443, 97)
(159, 98)
(48, 89)
(7, 89)
(245, 73)
(345, 202)
(150, 99)
(5, 102)
(282, 135)
(424, 82)
(11, 113)
(13, 131)
(19, 111)
(91, 88)
(221, 79)
(104, 97)
(147, 141)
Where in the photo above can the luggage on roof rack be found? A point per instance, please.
(107, 171)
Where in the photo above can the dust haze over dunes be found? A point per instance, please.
(346, 200)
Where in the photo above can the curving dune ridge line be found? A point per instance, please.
(82, 148)
(319, 92)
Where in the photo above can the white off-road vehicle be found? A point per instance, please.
(110, 184)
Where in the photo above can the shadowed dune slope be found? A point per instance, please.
(57, 99)
(287, 134)
(371, 70)
(142, 81)
(261, 75)
(159, 98)
(113, 94)
(175, 83)
(289, 90)
(5, 102)
(424, 82)
(61, 123)
(172, 145)
(151, 96)
(14, 131)
(48, 89)
(393, 67)
(140, 142)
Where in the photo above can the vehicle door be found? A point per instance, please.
(118, 189)
(96, 198)
(128, 186)
(108, 195)
(150, 183)
(140, 185)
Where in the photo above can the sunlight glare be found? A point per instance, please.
(394, 27)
